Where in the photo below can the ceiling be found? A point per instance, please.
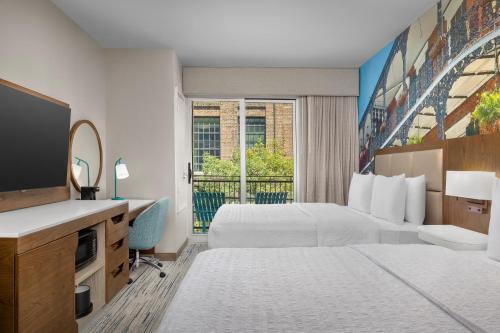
(249, 33)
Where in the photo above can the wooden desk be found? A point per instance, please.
(37, 263)
(136, 206)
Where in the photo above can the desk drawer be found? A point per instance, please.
(116, 279)
(116, 228)
(116, 253)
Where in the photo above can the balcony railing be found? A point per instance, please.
(231, 187)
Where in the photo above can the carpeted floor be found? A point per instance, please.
(140, 306)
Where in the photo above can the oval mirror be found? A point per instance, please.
(86, 154)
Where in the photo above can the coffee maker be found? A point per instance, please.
(88, 192)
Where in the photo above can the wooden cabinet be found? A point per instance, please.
(45, 287)
(37, 269)
(7, 285)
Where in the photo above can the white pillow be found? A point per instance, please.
(389, 198)
(360, 192)
(494, 230)
(415, 200)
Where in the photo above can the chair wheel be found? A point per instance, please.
(162, 274)
(160, 264)
(130, 281)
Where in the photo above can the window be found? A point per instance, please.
(255, 130)
(206, 139)
(238, 170)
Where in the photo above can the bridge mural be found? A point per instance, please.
(434, 81)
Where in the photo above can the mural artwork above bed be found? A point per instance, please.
(438, 79)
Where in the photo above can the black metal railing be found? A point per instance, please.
(231, 187)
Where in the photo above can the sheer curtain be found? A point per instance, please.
(328, 148)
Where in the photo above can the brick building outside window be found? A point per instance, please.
(216, 128)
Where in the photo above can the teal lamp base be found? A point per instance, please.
(118, 198)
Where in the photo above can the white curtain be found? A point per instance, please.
(328, 148)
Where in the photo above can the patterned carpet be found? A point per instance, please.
(140, 306)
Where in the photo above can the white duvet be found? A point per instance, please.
(364, 288)
(300, 225)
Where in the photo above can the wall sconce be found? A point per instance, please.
(475, 186)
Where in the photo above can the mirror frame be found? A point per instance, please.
(73, 130)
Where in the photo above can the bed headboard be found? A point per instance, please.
(414, 161)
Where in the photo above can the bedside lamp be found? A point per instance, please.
(476, 186)
(77, 169)
(121, 172)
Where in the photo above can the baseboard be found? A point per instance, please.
(171, 256)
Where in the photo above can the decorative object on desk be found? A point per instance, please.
(89, 192)
(86, 149)
(121, 172)
(83, 306)
(475, 186)
(77, 169)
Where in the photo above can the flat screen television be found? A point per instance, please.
(34, 140)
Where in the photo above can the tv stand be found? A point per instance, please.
(37, 263)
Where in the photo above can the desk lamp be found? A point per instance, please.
(121, 172)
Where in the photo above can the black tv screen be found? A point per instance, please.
(34, 135)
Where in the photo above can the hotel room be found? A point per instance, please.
(249, 166)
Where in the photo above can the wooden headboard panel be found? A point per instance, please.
(415, 161)
(473, 153)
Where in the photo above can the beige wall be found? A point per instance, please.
(43, 50)
(140, 85)
(269, 82)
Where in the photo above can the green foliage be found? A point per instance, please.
(260, 161)
(414, 140)
(214, 166)
(487, 111)
(268, 170)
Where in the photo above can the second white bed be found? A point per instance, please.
(302, 225)
(361, 288)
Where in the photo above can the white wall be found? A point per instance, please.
(269, 82)
(140, 118)
(43, 50)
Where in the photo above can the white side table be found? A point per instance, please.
(453, 237)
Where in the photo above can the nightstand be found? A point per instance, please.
(453, 237)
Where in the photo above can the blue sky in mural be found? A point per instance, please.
(369, 74)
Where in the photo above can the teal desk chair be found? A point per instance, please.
(146, 232)
(266, 198)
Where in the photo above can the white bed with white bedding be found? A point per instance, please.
(360, 288)
(413, 193)
(302, 224)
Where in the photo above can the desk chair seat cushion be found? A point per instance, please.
(147, 228)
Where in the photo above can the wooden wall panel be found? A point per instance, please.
(474, 153)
